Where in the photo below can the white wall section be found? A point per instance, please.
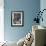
(1, 20)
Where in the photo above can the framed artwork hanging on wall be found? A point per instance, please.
(17, 18)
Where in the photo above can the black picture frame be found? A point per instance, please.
(17, 18)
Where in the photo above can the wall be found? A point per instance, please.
(30, 7)
(1, 21)
(42, 6)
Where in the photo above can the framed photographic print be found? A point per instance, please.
(17, 18)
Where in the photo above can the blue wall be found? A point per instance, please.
(29, 7)
(43, 6)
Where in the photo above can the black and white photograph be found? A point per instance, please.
(17, 18)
